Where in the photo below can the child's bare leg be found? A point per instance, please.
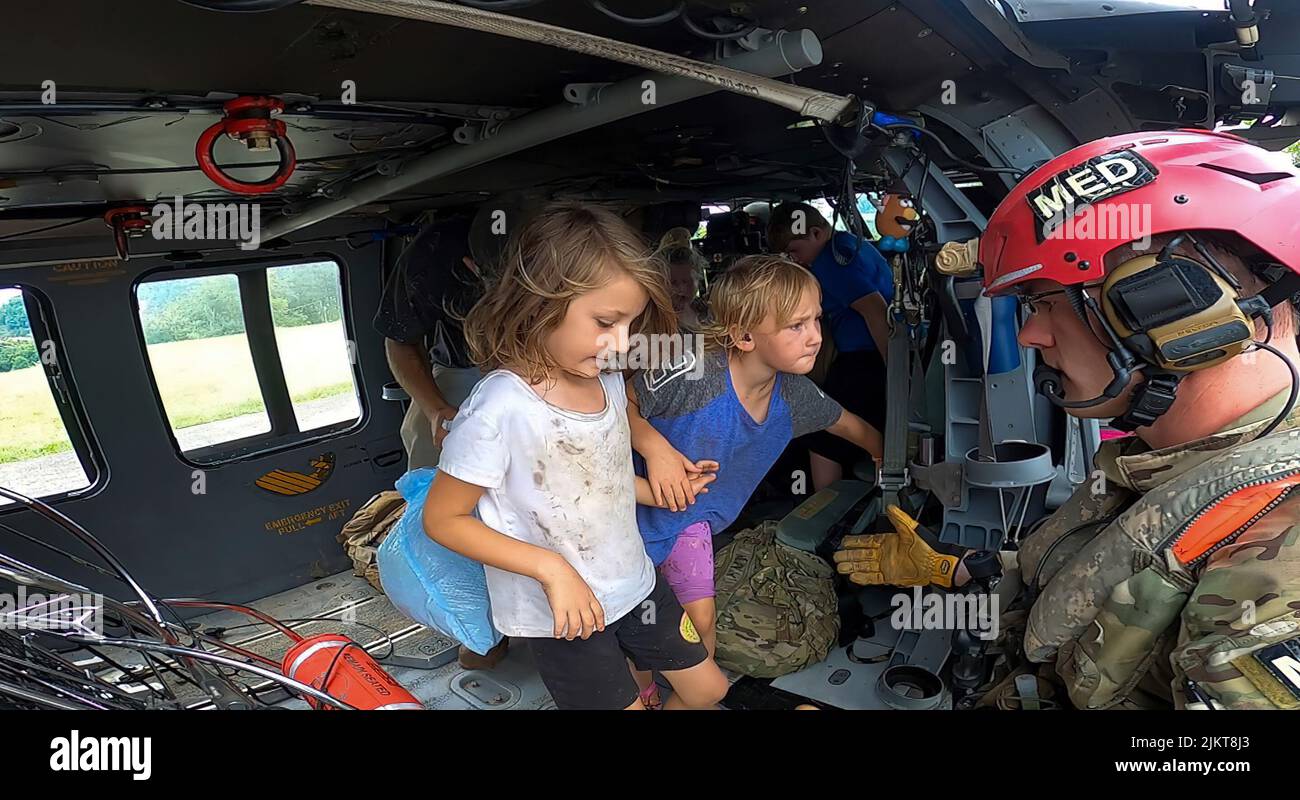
(643, 677)
(824, 471)
(703, 614)
(699, 687)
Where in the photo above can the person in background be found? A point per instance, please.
(438, 278)
(686, 268)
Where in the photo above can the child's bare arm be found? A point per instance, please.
(449, 521)
(857, 430)
(875, 312)
(645, 495)
(673, 479)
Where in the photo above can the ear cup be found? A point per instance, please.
(1175, 314)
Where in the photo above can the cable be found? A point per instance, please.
(47, 228)
(265, 619)
(1295, 389)
(67, 523)
(74, 559)
(215, 685)
(385, 635)
(13, 690)
(844, 203)
(947, 151)
(641, 22)
(203, 655)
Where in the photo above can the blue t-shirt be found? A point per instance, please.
(842, 285)
(696, 409)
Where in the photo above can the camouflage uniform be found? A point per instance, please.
(1118, 622)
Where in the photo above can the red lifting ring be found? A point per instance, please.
(248, 120)
(127, 221)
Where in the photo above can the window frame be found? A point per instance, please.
(63, 392)
(252, 277)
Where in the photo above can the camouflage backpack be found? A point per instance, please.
(777, 610)
(363, 534)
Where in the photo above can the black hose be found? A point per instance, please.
(947, 151)
(89, 539)
(640, 22)
(216, 686)
(241, 6)
(203, 655)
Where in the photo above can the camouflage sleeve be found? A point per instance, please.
(1239, 646)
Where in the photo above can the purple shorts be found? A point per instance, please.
(689, 567)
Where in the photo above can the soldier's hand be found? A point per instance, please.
(901, 558)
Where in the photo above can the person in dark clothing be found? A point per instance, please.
(437, 279)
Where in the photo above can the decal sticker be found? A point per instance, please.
(290, 484)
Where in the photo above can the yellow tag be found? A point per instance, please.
(688, 629)
(813, 505)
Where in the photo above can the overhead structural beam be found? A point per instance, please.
(808, 102)
(779, 53)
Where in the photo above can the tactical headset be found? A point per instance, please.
(1168, 315)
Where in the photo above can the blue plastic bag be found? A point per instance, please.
(429, 583)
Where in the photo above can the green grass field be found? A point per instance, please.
(201, 380)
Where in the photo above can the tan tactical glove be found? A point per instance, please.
(901, 558)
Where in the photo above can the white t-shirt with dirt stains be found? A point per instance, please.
(559, 479)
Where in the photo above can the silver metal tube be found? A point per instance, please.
(784, 52)
(809, 102)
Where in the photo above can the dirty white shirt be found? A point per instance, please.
(558, 479)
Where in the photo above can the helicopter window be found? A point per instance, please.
(250, 360)
(307, 309)
(865, 208)
(201, 360)
(42, 453)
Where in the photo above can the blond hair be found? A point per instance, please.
(755, 288)
(564, 251)
(675, 249)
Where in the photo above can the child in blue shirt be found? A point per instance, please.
(740, 407)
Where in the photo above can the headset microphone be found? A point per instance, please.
(1051, 384)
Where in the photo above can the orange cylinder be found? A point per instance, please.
(340, 667)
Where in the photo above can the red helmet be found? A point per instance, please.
(1156, 182)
